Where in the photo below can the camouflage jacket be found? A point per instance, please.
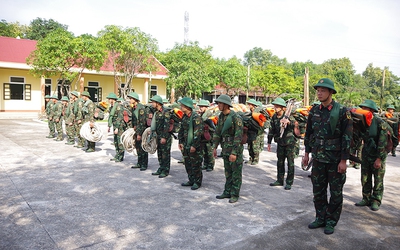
(49, 107)
(288, 137)
(162, 118)
(56, 111)
(77, 110)
(326, 145)
(195, 138)
(88, 109)
(116, 118)
(69, 113)
(139, 118)
(375, 139)
(231, 138)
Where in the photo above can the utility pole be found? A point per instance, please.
(382, 88)
(306, 100)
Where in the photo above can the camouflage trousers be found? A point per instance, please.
(255, 147)
(192, 163)
(233, 174)
(119, 148)
(164, 155)
(143, 156)
(59, 129)
(70, 131)
(81, 140)
(371, 192)
(207, 153)
(286, 152)
(323, 174)
(52, 130)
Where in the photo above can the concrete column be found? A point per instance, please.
(146, 92)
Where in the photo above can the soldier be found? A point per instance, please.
(160, 125)
(286, 145)
(255, 139)
(116, 120)
(88, 116)
(328, 135)
(208, 132)
(69, 119)
(392, 119)
(374, 159)
(78, 119)
(49, 107)
(189, 137)
(139, 116)
(57, 118)
(229, 133)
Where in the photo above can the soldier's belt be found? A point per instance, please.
(227, 139)
(327, 141)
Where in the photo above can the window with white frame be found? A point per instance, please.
(153, 90)
(16, 89)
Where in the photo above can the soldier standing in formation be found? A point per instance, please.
(328, 136)
(57, 118)
(189, 137)
(286, 145)
(139, 116)
(88, 109)
(373, 163)
(69, 121)
(255, 141)
(160, 125)
(392, 119)
(229, 133)
(208, 132)
(50, 122)
(77, 110)
(116, 121)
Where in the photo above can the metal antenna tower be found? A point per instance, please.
(186, 28)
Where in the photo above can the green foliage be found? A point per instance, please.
(39, 28)
(232, 74)
(258, 56)
(12, 29)
(131, 52)
(192, 70)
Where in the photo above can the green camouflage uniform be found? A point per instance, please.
(88, 116)
(207, 145)
(189, 135)
(57, 115)
(328, 149)
(139, 122)
(375, 141)
(255, 141)
(69, 119)
(229, 133)
(286, 147)
(49, 108)
(78, 104)
(116, 120)
(394, 123)
(162, 118)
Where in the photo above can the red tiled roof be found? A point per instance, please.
(17, 50)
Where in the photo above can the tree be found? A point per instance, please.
(192, 70)
(39, 28)
(131, 52)
(258, 56)
(232, 74)
(12, 29)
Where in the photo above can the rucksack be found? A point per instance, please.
(390, 135)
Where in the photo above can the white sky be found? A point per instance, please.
(366, 31)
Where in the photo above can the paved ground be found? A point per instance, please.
(55, 196)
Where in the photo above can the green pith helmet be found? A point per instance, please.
(165, 100)
(204, 103)
(112, 96)
(157, 98)
(252, 101)
(224, 99)
(187, 101)
(47, 97)
(326, 83)
(316, 103)
(54, 97)
(391, 107)
(259, 104)
(369, 104)
(85, 93)
(194, 101)
(65, 98)
(279, 101)
(134, 95)
(75, 93)
(120, 99)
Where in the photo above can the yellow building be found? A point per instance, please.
(22, 92)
